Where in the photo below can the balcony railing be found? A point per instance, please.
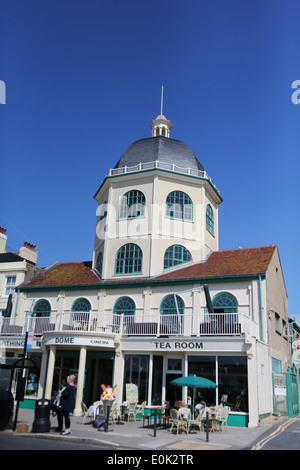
(161, 166)
(206, 324)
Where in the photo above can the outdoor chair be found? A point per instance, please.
(86, 413)
(198, 421)
(177, 421)
(185, 412)
(140, 408)
(114, 412)
(131, 410)
(145, 416)
(222, 417)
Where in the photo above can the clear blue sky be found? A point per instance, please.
(83, 81)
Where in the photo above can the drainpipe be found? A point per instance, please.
(261, 310)
(17, 301)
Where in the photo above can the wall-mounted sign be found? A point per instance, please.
(19, 343)
(178, 345)
(60, 340)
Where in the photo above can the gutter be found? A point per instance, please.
(261, 310)
(117, 284)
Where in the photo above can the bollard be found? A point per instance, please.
(41, 416)
(207, 427)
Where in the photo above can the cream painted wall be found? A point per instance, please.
(154, 232)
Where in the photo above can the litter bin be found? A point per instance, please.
(41, 416)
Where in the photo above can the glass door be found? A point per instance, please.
(173, 371)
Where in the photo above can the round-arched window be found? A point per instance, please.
(129, 259)
(125, 306)
(132, 205)
(81, 305)
(225, 303)
(179, 206)
(42, 308)
(176, 254)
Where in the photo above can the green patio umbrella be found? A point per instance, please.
(195, 382)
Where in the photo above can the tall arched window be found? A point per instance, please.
(80, 314)
(226, 307)
(176, 254)
(129, 259)
(123, 306)
(42, 308)
(99, 263)
(179, 206)
(210, 219)
(132, 205)
(171, 310)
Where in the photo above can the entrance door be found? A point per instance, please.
(173, 371)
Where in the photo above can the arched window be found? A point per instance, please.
(80, 314)
(129, 259)
(99, 263)
(209, 219)
(125, 306)
(132, 205)
(168, 305)
(179, 206)
(171, 310)
(81, 305)
(225, 303)
(176, 254)
(42, 308)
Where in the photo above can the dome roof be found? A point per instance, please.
(161, 149)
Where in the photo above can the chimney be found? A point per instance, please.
(28, 252)
(3, 239)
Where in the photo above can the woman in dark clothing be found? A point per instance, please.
(67, 405)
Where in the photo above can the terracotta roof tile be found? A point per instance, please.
(227, 263)
(73, 273)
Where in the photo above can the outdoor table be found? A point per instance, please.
(93, 409)
(156, 411)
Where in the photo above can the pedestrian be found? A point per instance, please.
(55, 405)
(66, 405)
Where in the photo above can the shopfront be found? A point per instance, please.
(12, 348)
(90, 358)
(153, 372)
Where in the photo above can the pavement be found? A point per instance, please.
(133, 436)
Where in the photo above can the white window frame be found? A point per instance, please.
(10, 285)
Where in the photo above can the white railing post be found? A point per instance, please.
(121, 324)
(158, 325)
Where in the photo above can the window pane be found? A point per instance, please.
(233, 382)
(179, 206)
(132, 205)
(203, 366)
(137, 372)
(175, 255)
(10, 285)
(129, 259)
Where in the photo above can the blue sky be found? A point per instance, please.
(83, 81)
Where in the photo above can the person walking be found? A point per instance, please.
(66, 405)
